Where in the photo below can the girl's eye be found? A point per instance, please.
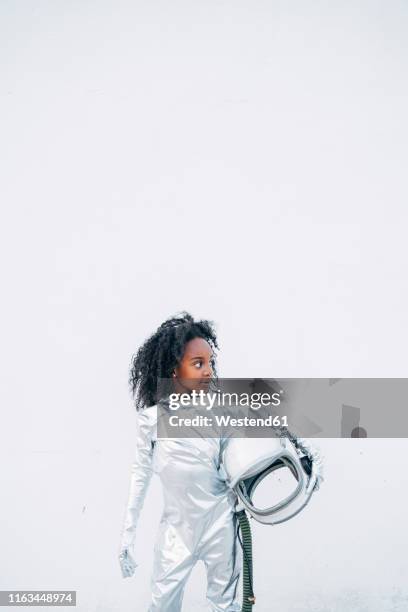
(198, 363)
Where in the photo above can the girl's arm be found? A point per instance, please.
(141, 472)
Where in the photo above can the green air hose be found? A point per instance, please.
(248, 597)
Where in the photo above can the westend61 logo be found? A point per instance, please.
(220, 398)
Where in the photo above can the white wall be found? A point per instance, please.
(241, 160)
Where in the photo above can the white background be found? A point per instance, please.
(244, 161)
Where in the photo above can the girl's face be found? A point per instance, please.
(195, 369)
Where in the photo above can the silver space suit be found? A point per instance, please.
(198, 520)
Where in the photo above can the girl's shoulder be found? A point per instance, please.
(147, 419)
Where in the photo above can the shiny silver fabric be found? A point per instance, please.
(198, 520)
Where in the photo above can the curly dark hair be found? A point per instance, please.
(161, 353)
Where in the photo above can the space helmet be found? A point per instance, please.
(246, 462)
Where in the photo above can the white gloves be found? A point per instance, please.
(316, 457)
(127, 563)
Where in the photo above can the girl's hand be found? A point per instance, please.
(127, 563)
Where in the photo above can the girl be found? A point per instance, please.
(198, 520)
